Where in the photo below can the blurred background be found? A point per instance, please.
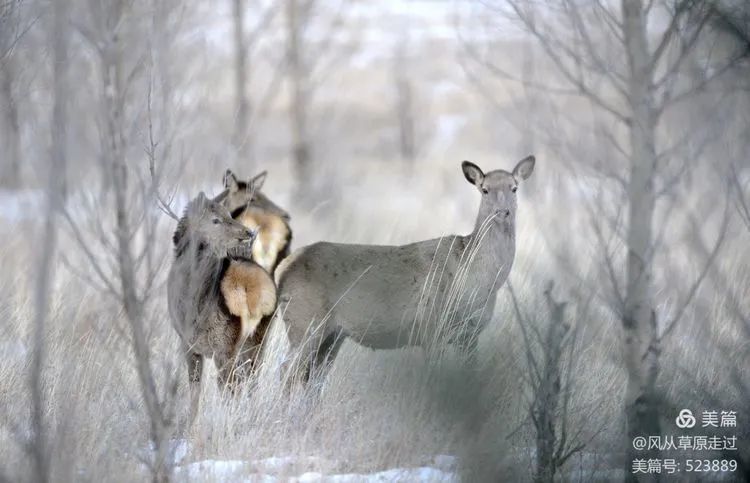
(361, 111)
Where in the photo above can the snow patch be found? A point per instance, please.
(19, 205)
(216, 470)
(12, 350)
(398, 474)
(275, 469)
(177, 451)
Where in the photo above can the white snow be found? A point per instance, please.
(215, 470)
(398, 474)
(275, 469)
(18, 205)
(12, 350)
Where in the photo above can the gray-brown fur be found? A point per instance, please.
(386, 297)
(252, 208)
(207, 241)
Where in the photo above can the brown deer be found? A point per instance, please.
(385, 297)
(248, 205)
(218, 297)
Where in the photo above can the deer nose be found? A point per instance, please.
(252, 233)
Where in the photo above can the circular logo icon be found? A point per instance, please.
(685, 419)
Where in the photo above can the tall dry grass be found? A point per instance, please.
(376, 409)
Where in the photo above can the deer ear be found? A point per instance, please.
(258, 180)
(525, 167)
(230, 181)
(473, 173)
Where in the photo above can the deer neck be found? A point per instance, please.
(205, 271)
(493, 240)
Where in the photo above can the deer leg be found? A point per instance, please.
(195, 372)
(228, 372)
(248, 326)
(327, 352)
(298, 364)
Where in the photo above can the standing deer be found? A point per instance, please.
(248, 205)
(218, 297)
(385, 297)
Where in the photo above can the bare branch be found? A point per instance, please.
(533, 364)
(743, 208)
(668, 100)
(8, 49)
(615, 26)
(84, 246)
(151, 156)
(617, 80)
(669, 32)
(577, 80)
(265, 21)
(706, 267)
(499, 72)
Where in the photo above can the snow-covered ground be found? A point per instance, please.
(237, 470)
(287, 468)
(440, 468)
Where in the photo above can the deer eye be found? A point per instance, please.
(513, 189)
(485, 190)
(216, 221)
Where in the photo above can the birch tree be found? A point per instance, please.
(634, 86)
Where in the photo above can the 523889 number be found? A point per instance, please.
(705, 466)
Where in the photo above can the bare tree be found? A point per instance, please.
(574, 36)
(739, 375)
(123, 261)
(246, 36)
(528, 78)
(404, 99)
(300, 88)
(550, 366)
(10, 25)
(54, 199)
(313, 50)
(239, 139)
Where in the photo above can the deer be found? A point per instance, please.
(248, 205)
(387, 297)
(218, 297)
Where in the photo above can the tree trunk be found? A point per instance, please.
(301, 156)
(241, 138)
(528, 76)
(10, 176)
(116, 168)
(405, 119)
(45, 275)
(638, 318)
(404, 103)
(551, 449)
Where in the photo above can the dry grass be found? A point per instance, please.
(376, 410)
